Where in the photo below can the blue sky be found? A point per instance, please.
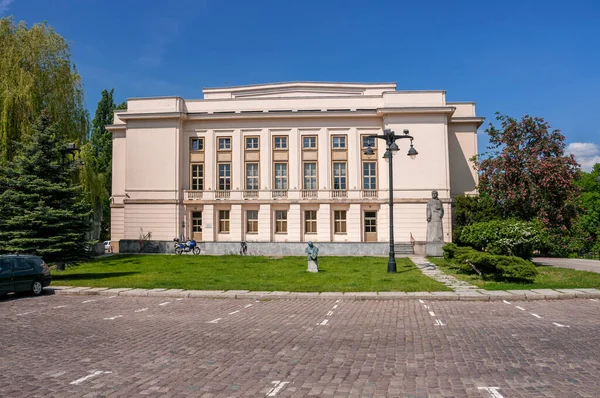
(516, 57)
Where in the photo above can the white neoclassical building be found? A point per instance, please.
(285, 162)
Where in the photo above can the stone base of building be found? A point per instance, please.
(261, 248)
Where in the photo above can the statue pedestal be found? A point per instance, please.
(434, 249)
(312, 266)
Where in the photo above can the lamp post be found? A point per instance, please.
(390, 140)
(72, 150)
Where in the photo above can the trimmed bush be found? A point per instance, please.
(490, 265)
(506, 237)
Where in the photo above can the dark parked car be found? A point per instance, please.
(23, 273)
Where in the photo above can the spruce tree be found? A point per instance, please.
(42, 209)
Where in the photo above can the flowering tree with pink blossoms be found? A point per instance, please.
(528, 175)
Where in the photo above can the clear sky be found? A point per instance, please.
(537, 57)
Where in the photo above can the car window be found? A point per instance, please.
(22, 265)
(5, 265)
(33, 261)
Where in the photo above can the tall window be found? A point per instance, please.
(223, 221)
(251, 142)
(310, 222)
(197, 177)
(252, 221)
(369, 175)
(339, 142)
(281, 143)
(339, 175)
(309, 142)
(197, 144)
(224, 176)
(310, 176)
(281, 176)
(339, 220)
(196, 221)
(252, 176)
(224, 144)
(281, 221)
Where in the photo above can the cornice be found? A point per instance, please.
(151, 115)
(468, 119)
(115, 127)
(448, 110)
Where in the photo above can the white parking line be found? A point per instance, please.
(165, 303)
(421, 301)
(560, 326)
(330, 313)
(234, 312)
(94, 374)
(278, 386)
(87, 301)
(25, 313)
(438, 323)
(248, 306)
(492, 390)
(112, 296)
(431, 313)
(141, 310)
(536, 315)
(323, 323)
(179, 299)
(113, 318)
(60, 306)
(594, 299)
(215, 320)
(335, 306)
(506, 302)
(521, 308)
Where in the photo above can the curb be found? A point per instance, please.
(477, 295)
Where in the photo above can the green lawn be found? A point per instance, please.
(336, 274)
(548, 278)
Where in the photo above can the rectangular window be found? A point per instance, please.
(252, 176)
(339, 142)
(252, 221)
(224, 144)
(310, 222)
(281, 176)
(339, 175)
(368, 141)
(251, 142)
(370, 221)
(339, 217)
(281, 143)
(224, 176)
(310, 176)
(309, 142)
(197, 183)
(281, 221)
(196, 221)
(223, 221)
(197, 144)
(369, 175)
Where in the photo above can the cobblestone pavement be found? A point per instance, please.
(119, 346)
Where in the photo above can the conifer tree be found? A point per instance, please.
(42, 209)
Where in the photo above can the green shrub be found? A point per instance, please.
(490, 265)
(506, 237)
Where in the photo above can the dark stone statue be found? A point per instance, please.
(312, 253)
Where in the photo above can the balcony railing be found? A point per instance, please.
(193, 195)
(309, 194)
(339, 193)
(279, 193)
(222, 194)
(302, 194)
(251, 194)
(369, 193)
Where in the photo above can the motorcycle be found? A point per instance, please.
(189, 246)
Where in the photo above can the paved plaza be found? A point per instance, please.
(127, 346)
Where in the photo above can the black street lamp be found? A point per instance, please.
(71, 149)
(390, 139)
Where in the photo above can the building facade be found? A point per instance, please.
(286, 162)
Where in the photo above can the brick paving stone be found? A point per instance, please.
(239, 347)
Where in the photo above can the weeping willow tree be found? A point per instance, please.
(36, 73)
